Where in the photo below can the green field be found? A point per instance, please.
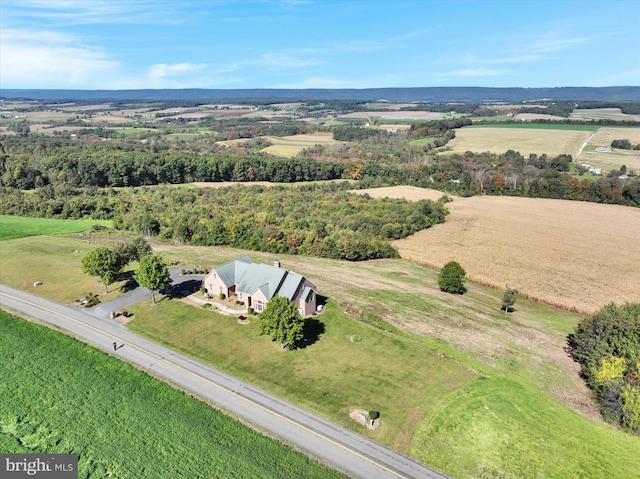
(19, 226)
(459, 384)
(61, 396)
(422, 141)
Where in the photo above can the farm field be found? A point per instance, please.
(536, 116)
(394, 115)
(18, 226)
(292, 145)
(617, 157)
(595, 114)
(550, 140)
(410, 193)
(225, 184)
(575, 255)
(120, 421)
(421, 350)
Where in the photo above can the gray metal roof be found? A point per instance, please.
(250, 277)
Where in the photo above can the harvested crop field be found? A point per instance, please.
(551, 141)
(292, 145)
(394, 115)
(410, 193)
(595, 114)
(617, 157)
(575, 255)
(536, 116)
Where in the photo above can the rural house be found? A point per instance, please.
(256, 284)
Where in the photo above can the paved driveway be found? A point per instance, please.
(180, 286)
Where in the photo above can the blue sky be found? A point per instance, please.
(132, 44)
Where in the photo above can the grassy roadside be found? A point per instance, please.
(55, 261)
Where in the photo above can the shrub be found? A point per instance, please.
(239, 303)
(182, 272)
(451, 278)
(222, 296)
(203, 290)
(92, 300)
(250, 310)
(373, 415)
(206, 305)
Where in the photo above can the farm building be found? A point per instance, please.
(256, 284)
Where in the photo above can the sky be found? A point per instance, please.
(227, 44)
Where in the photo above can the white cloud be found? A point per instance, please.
(167, 76)
(33, 58)
(557, 43)
(82, 12)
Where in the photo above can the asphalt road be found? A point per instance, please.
(334, 445)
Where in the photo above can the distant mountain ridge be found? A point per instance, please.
(417, 94)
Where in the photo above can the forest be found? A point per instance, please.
(316, 219)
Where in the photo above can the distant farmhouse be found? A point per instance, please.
(256, 284)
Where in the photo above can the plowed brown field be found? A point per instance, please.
(575, 255)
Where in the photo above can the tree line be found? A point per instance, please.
(317, 219)
(607, 346)
(52, 161)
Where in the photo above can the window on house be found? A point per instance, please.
(259, 305)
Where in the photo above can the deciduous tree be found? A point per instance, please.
(451, 278)
(509, 299)
(282, 321)
(102, 262)
(153, 274)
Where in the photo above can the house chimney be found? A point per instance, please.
(276, 263)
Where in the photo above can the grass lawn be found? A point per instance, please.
(62, 396)
(54, 261)
(489, 428)
(459, 384)
(329, 376)
(19, 226)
